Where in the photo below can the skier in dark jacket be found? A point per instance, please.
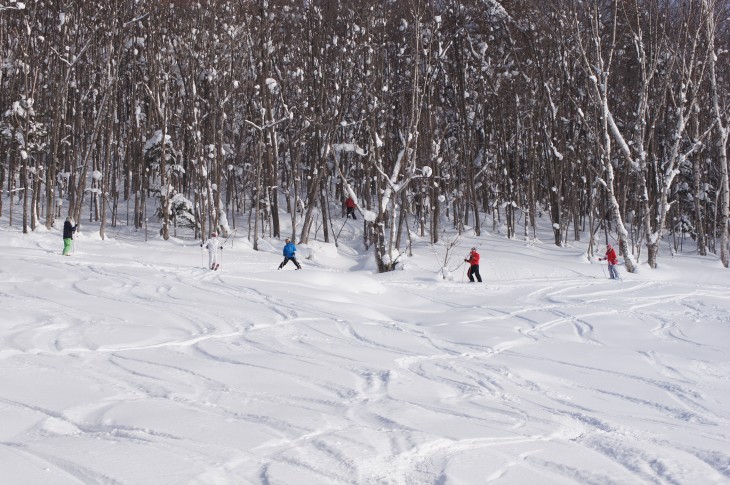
(473, 261)
(612, 262)
(289, 254)
(68, 235)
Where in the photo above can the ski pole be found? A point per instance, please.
(467, 260)
(229, 235)
(343, 226)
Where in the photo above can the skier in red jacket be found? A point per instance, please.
(612, 261)
(350, 206)
(473, 261)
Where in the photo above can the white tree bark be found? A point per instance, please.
(722, 128)
(597, 63)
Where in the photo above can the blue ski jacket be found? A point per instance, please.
(289, 250)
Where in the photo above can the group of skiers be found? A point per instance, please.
(473, 260)
(212, 244)
(214, 247)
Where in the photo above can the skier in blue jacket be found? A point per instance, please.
(289, 251)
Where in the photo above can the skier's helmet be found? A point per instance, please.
(609, 247)
(287, 240)
(473, 249)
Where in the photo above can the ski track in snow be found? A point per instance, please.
(256, 376)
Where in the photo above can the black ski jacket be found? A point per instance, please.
(68, 230)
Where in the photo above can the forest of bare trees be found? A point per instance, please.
(609, 119)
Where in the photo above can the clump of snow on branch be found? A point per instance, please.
(271, 84)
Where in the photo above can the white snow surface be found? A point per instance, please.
(129, 363)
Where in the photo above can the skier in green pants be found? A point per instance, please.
(68, 235)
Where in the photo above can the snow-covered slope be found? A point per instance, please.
(129, 363)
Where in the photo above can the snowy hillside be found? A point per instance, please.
(128, 363)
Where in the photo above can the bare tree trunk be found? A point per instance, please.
(315, 186)
(24, 186)
(599, 68)
(257, 194)
(81, 184)
(106, 175)
(697, 190)
(722, 129)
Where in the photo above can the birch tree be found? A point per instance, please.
(721, 114)
(597, 50)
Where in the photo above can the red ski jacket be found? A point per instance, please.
(473, 258)
(611, 256)
(349, 203)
